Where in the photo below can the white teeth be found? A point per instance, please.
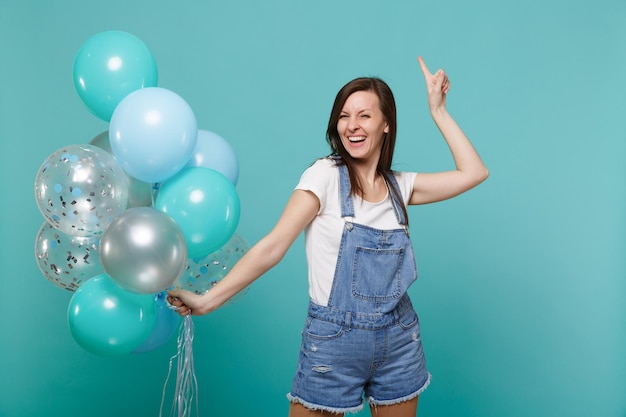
(356, 138)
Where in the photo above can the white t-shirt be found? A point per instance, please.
(323, 234)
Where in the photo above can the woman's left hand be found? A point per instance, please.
(437, 86)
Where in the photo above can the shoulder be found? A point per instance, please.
(325, 163)
(321, 167)
(404, 176)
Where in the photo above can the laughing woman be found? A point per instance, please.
(361, 339)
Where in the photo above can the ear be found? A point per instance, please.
(386, 129)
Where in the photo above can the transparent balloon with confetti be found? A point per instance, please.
(203, 273)
(79, 189)
(67, 261)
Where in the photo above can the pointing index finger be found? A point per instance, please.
(425, 69)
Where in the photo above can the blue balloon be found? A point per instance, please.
(167, 321)
(214, 152)
(153, 132)
(106, 320)
(205, 204)
(108, 67)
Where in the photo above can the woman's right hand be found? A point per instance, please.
(187, 302)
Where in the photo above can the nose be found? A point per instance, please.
(353, 124)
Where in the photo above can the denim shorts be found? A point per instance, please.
(344, 357)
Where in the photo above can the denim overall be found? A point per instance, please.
(367, 340)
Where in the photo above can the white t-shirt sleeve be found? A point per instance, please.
(405, 183)
(316, 179)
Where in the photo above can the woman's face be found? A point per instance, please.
(361, 125)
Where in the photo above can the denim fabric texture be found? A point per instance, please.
(366, 343)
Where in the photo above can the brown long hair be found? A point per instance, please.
(387, 105)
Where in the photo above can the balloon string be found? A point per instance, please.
(186, 389)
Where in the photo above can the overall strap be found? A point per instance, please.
(347, 207)
(392, 184)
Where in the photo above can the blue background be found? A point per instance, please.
(521, 290)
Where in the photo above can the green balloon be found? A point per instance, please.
(109, 66)
(106, 320)
(205, 204)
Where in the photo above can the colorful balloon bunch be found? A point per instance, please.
(137, 210)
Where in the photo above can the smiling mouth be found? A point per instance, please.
(356, 139)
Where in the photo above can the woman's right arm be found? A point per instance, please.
(301, 208)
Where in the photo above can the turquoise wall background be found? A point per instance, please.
(522, 281)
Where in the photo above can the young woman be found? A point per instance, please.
(362, 335)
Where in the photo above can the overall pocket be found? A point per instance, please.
(377, 274)
(322, 330)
